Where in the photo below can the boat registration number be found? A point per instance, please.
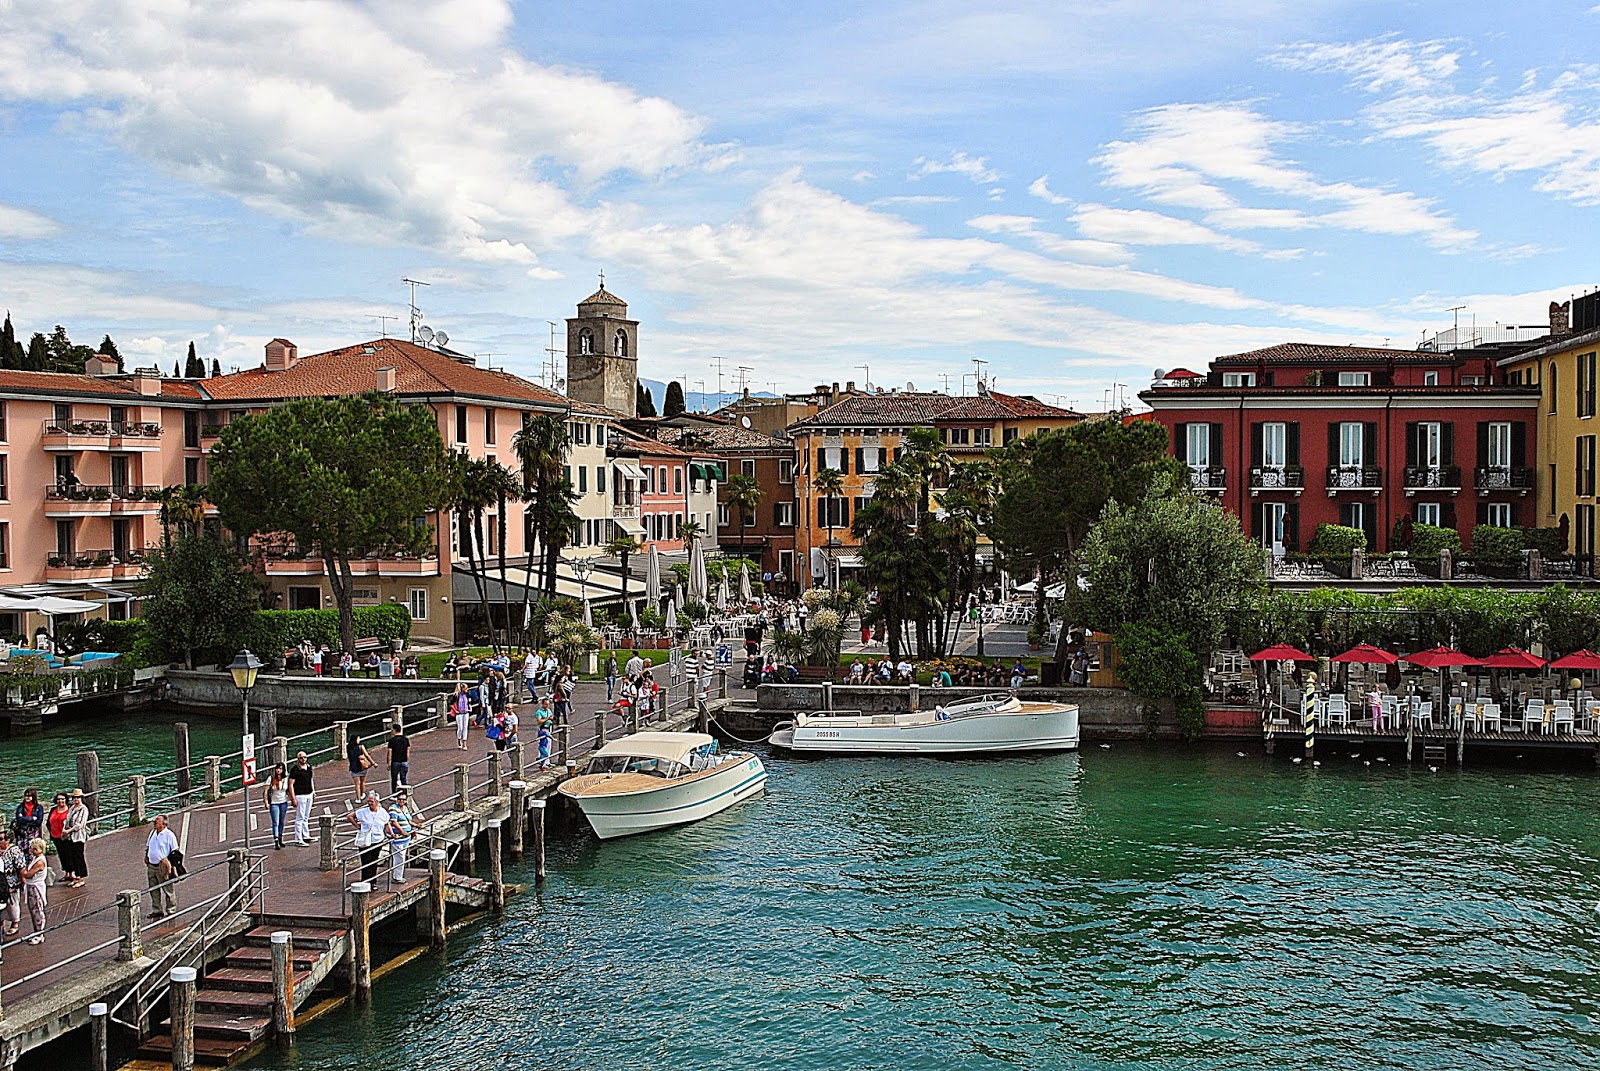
(828, 734)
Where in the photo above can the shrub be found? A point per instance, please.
(1427, 540)
(1549, 542)
(1337, 541)
(1496, 546)
(1158, 664)
(275, 631)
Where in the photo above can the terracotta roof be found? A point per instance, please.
(595, 409)
(603, 297)
(928, 407)
(725, 437)
(1324, 353)
(620, 438)
(354, 370)
(119, 387)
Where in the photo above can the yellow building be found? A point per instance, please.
(1565, 371)
(862, 433)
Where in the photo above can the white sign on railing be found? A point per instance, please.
(249, 754)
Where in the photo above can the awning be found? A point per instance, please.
(628, 469)
(714, 472)
(629, 525)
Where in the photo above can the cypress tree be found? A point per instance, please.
(10, 350)
(108, 348)
(673, 404)
(645, 403)
(216, 368)
(177, 370)
(38, 358)
(194, 367)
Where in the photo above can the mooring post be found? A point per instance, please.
(268, 723)
(136, 800)
(827, 695)
(398, 718)
(572, 768)
(328, 859)
(214, 778)
(497, 874)
(280, 751)
(129, 947)
(180, 996)
(633, 718)
(99, 1057)
(538, 840)
(916, 697)
(518, 817)
(463, 775)
(496, 786)
(702, 716)
(722, 684)
(89, 780)
(519, 761)
(180, 755)
(361, 938)
(341, 737)
(563, 743)
(283, 984)
(238, 865)
(599, 730)
(436, 873)
(441, 710)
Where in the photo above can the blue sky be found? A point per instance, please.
(1074, 193)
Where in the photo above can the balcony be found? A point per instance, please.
(1517, 478)
(62, 500)
(1209, 478)
(282, 561)
(1289, 478)
(624, 511)
(1432, 478)
(95, 565)
(120, 435)
(1363, 479)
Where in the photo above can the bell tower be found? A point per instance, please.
(602, 352)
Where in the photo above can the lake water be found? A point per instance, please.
(1128, 908)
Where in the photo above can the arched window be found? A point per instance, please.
(585, 341)
(620, 345)
(1552, 387)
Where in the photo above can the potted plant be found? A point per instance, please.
(55, 561)
(1035, 638)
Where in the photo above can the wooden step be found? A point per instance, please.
(252, 956)
(465, 882)
(230, 1026)
(250, 978)
(237, 1001)
(209, 1052)
(304, 936)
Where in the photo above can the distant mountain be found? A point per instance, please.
(695, 400)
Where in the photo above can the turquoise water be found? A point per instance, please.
(1129, 908)
(126, 743)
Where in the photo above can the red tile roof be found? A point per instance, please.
(354, 370)
(1325, 353)
(927, 407)
(603, 297)
(118, 387)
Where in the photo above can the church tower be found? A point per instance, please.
(602, 352)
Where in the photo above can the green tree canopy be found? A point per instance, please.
(108, 348)
(193, 367)
(200, 599)
(645, 402)
(673, 404)
(341, 476)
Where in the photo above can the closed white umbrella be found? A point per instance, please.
(672, 617)
(744, 583)
(677, 596)
(652, 577)
(588, 615)
(633, 613)
(697, 572)
(722, 594)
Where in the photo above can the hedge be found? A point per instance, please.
(1335, 540)
(1496, 545)
(275, 631)
(1428, 540)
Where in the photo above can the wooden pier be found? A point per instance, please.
(277, 934)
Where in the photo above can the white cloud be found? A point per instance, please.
(1087, 250)
(1040, 188)
(1130, 226)
(1377, 65)
(915, 199)
(975, 168)
(24, 224)
(48, 294)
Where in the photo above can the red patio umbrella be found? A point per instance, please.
(1440, 657)
(1367, 655)
(1584, 659)
(1513, 658)
(1281, 652)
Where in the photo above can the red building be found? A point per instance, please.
(1302, 434)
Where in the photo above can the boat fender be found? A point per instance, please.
(940, 714)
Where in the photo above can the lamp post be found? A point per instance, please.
(244, 668)
(582, 567)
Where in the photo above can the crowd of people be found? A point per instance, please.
(25, 872)
(320, 661)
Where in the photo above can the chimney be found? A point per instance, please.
(1560, 323)
(281, 355)
(387, 383)
(147, 381)
(849, 386)
(99, 365)
(835, 393)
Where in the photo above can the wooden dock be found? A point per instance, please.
(102, 947)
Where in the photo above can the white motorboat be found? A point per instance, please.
(654, 780)
(995, 722)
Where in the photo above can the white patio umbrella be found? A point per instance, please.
(652, 577)
(672, 617)
(722, 594)
(744, 583)
(677, 596)
(633, 613)
(588, 614)
(697, 572)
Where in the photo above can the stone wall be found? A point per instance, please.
(296, 696)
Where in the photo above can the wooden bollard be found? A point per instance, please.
(722, 684)
(136, 800)
(538, 839)
(398, 718)
(497, 876)
(361, 938)
(341, 737)
(180, 755)
(462, 782)
(180, 997)
(436, 874)
(89, 780)
(327, 858)
(572, 768)
(283, 983)
(99, 1056)
(213, 778)
(269, 722)
(129, 947)
(279, 752)
(519, 761)
(633, 718)
(702, 716)
(441, 710)
(915, 696)
(563, 743)
(238, 864)
(519, 817)
(599, 730)
(496, 785)
(827, 695)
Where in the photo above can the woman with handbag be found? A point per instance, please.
(360, 763)
(280, 797)
(33, 888)
(463, 714)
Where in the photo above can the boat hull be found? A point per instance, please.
(1055, 729)
(674, 803)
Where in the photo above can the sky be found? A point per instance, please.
(1073, 194)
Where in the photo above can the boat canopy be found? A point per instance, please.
(669, 747)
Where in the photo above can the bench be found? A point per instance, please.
(367, 644)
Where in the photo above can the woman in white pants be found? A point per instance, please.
(463, 707)
(300, 777)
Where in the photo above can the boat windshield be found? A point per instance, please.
(651, 766)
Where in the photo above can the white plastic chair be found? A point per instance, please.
(1563, 715)
(1424, 714)
(1338, 710)
(1533, 716)
(1489, 714)
(1459, 710)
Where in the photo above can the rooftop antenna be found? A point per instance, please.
(488, 359)
(744, 378)
(383, 324)
(549, 371)
(416, 313)
(867, 368)
(719, 360)
(1456, 310)
(946, 377)
(702, 384)
(978, 363)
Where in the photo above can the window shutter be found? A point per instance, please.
(1333, 444)
(1291, 442)
(1447, 514)
(861, 460)
(1347, 514)
(1519, 443)
(777, 513)
(1216, 445)
(1447, 442)
(1483, 444)
(1369, 525)
(1413, 430)
(844, 461)
(844, 513)
(1369, 443)
(1291, 534)
(822, 459)
(1483, 513)
(1255, 521)
(1180, 441)
(1255, 445)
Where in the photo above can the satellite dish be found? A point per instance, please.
(744, 422)
(561, 384)
(425, 333)
(910, 386)
(1160, 373)
(441, 339)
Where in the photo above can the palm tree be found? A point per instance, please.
(503, 484)
(743, 492)
(541, 449)
(829, 483)
(474, 493)
(690, 530)
(622, 548)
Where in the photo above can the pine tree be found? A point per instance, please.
(108, 348)
(216, 368)
(645, 403)
(11, 353)
(177, 370)
(673, 405)
(38, 358)
(194, 367)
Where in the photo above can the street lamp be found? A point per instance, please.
(244, 668)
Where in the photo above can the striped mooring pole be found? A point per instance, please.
(1308, 713)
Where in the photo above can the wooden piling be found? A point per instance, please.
(328, 859)
(916, 697)
(722, 684)
(827, 695)
(99, 1056)
(268, 722)
(519, 761)
(563, 744)
(463, 775)
(180, 997)
(361, 938)
(496, 784)
(180, 755)
(633, 718)
(436, 875)
(497, 878)
(441, 710)
(341, 737)
(136, 800)
(283, 984)
(238, 864)
(279, 752)
(538, 807)
(129, 947)
(398, 718)
(89, 780)
(213, 778)
(702, 717)
(599, 730)
(519, 817)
